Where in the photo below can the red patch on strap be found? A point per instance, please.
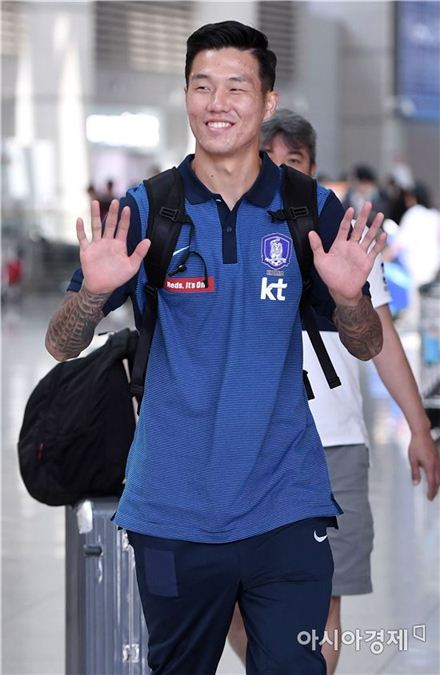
(189, 285)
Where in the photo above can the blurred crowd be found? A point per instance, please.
(412, 256)
(411, 260)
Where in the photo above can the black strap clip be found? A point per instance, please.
(298, 212)
(171, 214)
(136, 389)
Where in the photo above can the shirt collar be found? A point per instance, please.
(260, 194)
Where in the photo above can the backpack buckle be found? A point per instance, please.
(136, 389)
(299, 212)
(171, 214)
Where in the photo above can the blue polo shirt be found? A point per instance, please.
(226, 447)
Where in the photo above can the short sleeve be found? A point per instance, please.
(380, 293)
(76, 281)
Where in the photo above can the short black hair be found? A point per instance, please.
(237, 35)
(420, 192)
(363, 172)
(296, 131)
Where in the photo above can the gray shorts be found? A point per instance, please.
(352, 543)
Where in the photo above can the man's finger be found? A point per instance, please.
(360, 223)
(437, 482)
(315, 243)
(96, 221)
(81, 235)
(140, 251)
(344, 227)
(124, 224)
(415, 472)
(432, 483)
(372, 232)
(111, 220)
(433, 477)
(437, 471)
(377, 222)
(379, 245)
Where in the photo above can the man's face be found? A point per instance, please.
(225, 102)
(298, 158)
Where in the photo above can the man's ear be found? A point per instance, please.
(270, 104)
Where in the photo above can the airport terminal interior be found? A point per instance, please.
(92, 102)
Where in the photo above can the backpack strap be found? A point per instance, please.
(166, 215)
(165, 219)
(299, 195)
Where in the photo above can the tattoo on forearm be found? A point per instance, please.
(360, 329)
(71, 328)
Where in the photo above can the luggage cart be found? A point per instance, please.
(430, 349)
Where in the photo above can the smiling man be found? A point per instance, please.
(227, 497)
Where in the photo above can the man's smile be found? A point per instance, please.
(219, 125)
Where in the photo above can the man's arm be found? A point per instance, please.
(395, 372)
(72, 327)
(359, 328)
(345, 269)
(106, 266)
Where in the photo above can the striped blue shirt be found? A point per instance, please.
(226, 447)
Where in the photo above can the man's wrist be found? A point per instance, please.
(92, 303)
(341, 301)
(423, 427)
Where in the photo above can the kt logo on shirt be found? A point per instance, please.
(272, 291)
(276, 251)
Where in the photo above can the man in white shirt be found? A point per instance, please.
(417, 243)
(290, 139)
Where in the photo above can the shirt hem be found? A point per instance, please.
(166, 531)
(329, 441)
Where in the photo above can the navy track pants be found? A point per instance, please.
(281, 580)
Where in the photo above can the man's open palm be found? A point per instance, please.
(104, 260)
(346, 266)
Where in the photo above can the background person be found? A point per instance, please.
(417, 243)
(290, 139)
(106, 197)
(364, 187)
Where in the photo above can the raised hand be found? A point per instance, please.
(346, 266)
(104, 260)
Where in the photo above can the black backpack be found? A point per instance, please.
(79, 421)
(78, 426)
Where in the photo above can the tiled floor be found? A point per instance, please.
(406, 570)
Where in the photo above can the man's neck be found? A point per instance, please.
(231, 177)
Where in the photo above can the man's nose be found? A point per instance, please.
(218, 101)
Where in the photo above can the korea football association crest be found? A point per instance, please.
(276, 251)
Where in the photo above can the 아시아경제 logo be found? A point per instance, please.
(276, 250)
